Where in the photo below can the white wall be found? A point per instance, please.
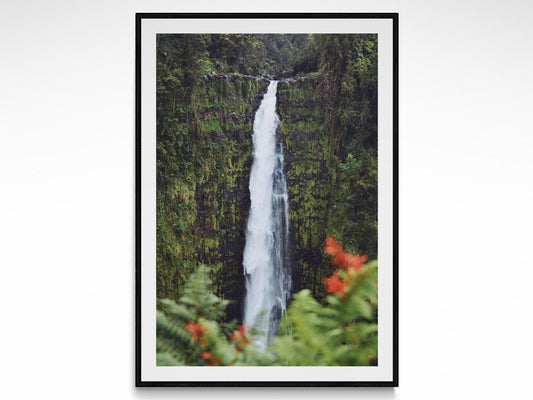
(67, 198)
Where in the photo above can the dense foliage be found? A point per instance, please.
(203, 163)
(329, 129)
(190, 331)
(208, 87)
(342, 331)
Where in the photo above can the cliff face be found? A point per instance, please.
(204, 151)
(331, 176)
(203, 211)
(301, 109)
(203, 177)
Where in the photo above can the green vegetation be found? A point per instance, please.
(190, 331)
(342, 331)
(208, 88)
(329, 129)
(203, 162)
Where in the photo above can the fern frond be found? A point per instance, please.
(169, 348)
(165, 359)
(176, 310)
(170, 329)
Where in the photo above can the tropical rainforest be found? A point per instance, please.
(209, 87)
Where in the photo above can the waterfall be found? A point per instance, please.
(266, 253)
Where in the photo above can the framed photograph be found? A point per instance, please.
(266, 199)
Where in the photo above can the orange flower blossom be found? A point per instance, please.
(334, 284)
(332, 247)
(240, 337)
(194, 329)
(347, 260)
(341, 258)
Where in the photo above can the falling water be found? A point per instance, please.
(266, 260)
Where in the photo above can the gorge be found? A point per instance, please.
(266, 253)
(324, 145)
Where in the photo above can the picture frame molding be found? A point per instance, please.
(139, 382)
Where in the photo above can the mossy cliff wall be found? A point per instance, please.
(331, 178)
(204, 154)
(203, 198)
(301, 110)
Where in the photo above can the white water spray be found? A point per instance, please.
(266, 260)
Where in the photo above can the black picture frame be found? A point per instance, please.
(139, 381)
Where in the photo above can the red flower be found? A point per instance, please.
(347, 260)
(334, 284)
(332, 247)
(242, 331)
(213, 359)
(240, 337)
(194, 329)
(342, 259)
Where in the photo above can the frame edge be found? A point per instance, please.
(394, 16)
